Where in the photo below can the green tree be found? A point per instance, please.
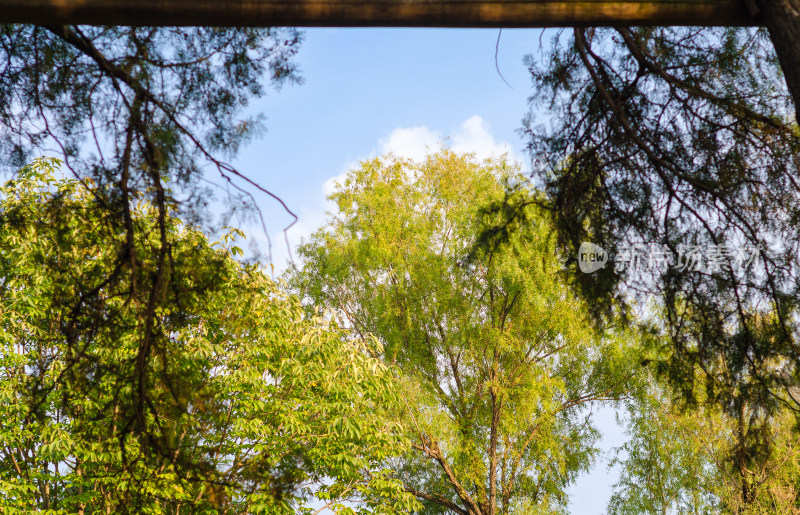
(217, 395)
(499, 360)
(669, 464)
(132, 110)
(719, 450)
(683, 140)
(681, 460)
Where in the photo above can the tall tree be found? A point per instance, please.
(673, 461)
(677, 151)
(237, 403)
(680, 460)
(136, 113)
(500, 363)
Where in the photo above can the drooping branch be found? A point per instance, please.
(120, 76)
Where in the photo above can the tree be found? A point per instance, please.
(132, 110)
(237, 402)
(681, 143)
(499, 361)
(682, 460)
(673, 461)
(782, 19)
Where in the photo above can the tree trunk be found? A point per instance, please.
(782, 18)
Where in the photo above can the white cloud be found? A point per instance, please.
(473, 136)
(414, 142)
(329, 186)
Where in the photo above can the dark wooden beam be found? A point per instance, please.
(377, 13)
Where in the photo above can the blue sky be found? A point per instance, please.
(368, 91)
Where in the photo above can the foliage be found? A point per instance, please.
(684, 461)
(130, 110)
(216, 395)
(683, 140)
(499, 361)
(702, 456)
(668, 463)
(133, 106)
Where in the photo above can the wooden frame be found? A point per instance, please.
(378, 13)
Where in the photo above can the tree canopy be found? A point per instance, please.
(676, 150)
(216, 395)
(690, 461)
(500, 363)
(137, 114)
(439, 360)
